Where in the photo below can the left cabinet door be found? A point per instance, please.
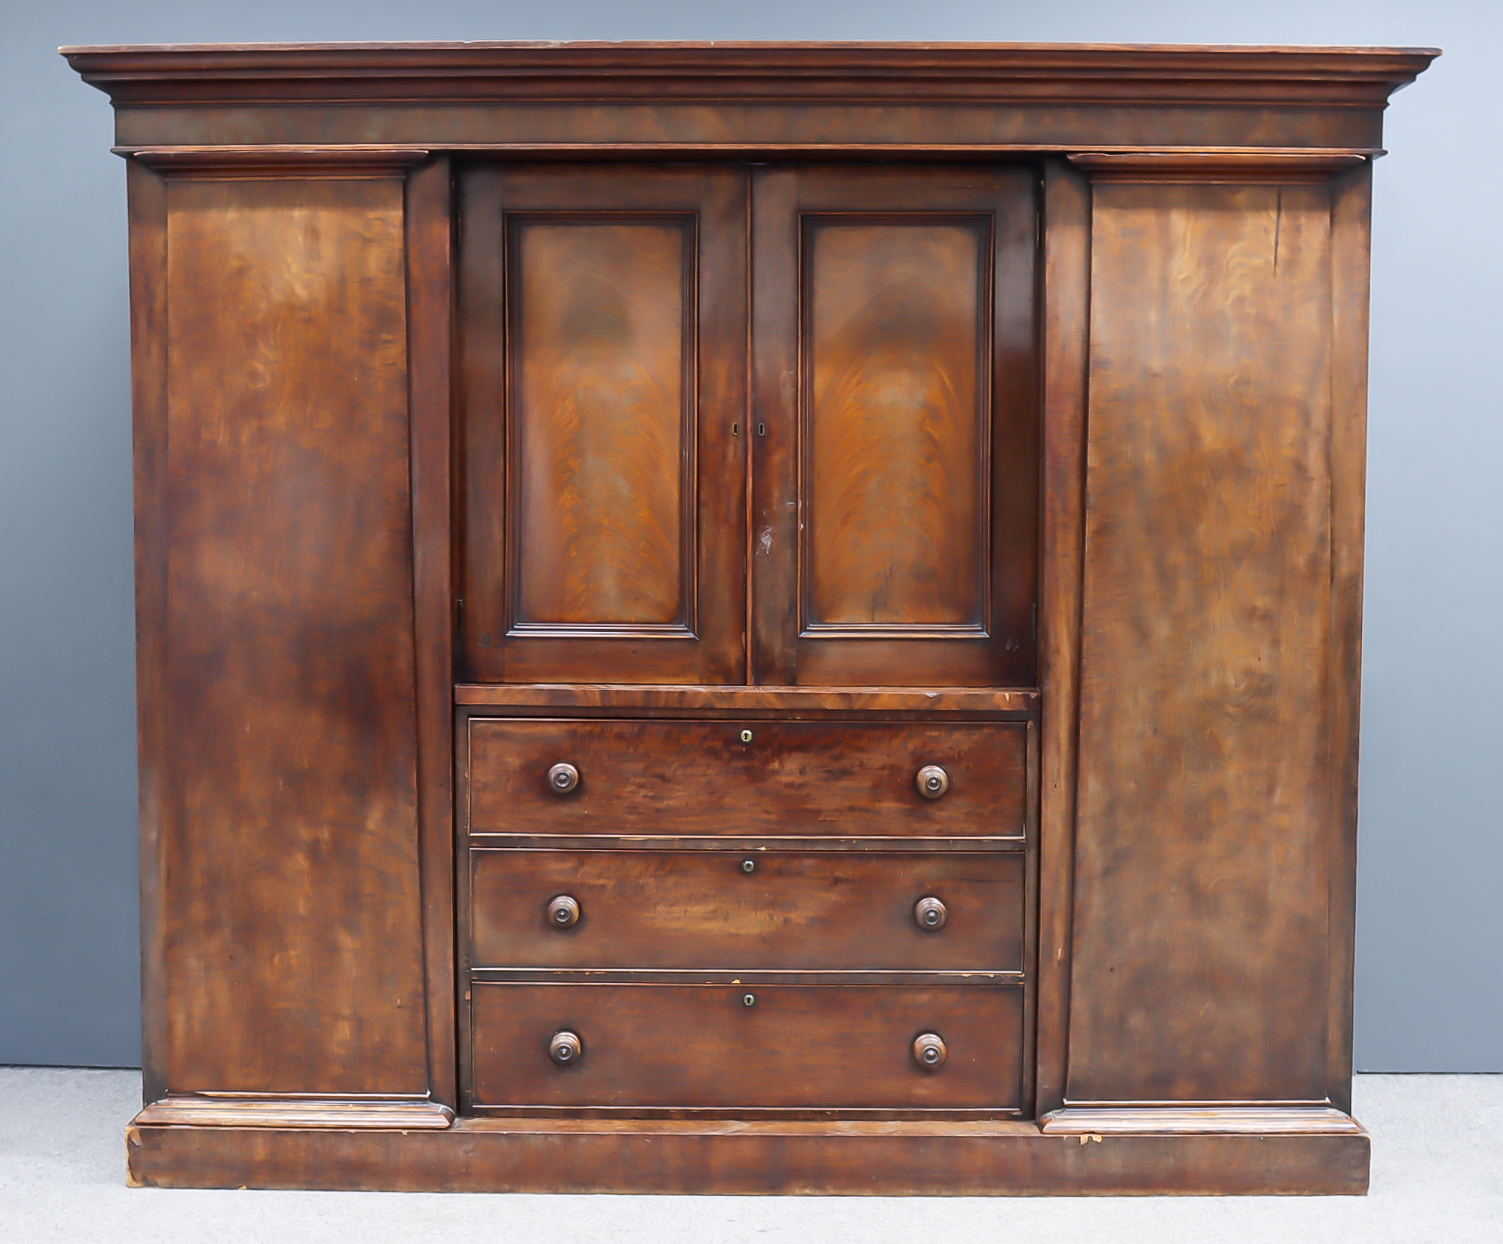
(603, 341)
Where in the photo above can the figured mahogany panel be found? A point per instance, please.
(602, 421)
(895, 467)
(795, 1046)
(603, 334)
(1204, 830)
(896, 344)
(783, 779)
(293, 930)
(817, 910)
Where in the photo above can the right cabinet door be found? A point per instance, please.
(895, 480)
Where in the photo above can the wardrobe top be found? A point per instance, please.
(978, 73)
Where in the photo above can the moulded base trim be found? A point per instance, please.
(737, 1157)
(344, 1113)
(1200, 1119)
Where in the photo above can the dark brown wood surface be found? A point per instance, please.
(430, 295)
(792, 778)
(894, 493)
(826, 910)
(758, 100)
(1351, 236)
(791, 701)
(797, 1047)
(604, 338)
(894, 440)
(147, 198)
(1167, 371)
(601, 332)
(748, 1157)
(1203, 833)
(293, 931)
(1066, 339)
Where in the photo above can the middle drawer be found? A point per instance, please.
(747, 911)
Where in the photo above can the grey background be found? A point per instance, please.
(1430, 923)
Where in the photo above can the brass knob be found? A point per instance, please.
(929, 1051)
(928, 913)
(562, 779)
(563, 911)
(932, 781)
(565, 1048)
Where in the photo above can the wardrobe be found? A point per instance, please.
(748, 617)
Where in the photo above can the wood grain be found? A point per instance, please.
(1203, 819)
(602, 421)
(749, 1157)
(603, 335)
(797, 1047)
(698, 909)
(895, 493)
(895, 341)
(1066, 314)
(430, 296)
(294, 948)
(344, 1114)
(750, 699)
(1249, 1120)
(849, 779)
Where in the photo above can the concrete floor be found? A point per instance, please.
(1437, 1178)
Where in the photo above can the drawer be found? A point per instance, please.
(791, 779)
(796, 1046)
(815, 910)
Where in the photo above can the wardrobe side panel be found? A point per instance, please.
(293, 946)
(1204, 826)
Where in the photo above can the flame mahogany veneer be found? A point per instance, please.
(749, 618)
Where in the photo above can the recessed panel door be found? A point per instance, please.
(604, 345)
(895, 466)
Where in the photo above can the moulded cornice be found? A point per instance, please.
(784, 73)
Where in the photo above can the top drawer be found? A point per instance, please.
(752, 778)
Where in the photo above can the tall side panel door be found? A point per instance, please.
(603, 322)
(894, 536)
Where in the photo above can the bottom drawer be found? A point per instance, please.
(795, 1046)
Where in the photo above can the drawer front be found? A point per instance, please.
(815, 910)
(796, 1046)
(791, 779)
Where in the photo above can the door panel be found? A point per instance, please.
(895, 472)
(604, 344)
(599, 329)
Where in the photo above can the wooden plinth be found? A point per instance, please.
(740, 1158)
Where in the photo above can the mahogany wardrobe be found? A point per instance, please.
(747, 617)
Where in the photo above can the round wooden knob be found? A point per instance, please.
(932, 781)
(929, 1051)
(929, 913)
(565, 1049)
(562, 778)
(563, 911)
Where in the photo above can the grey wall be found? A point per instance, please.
(1430, 943)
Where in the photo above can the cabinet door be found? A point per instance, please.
(603, 319)
(895, 426)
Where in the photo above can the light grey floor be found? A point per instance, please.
(1437, 1178)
